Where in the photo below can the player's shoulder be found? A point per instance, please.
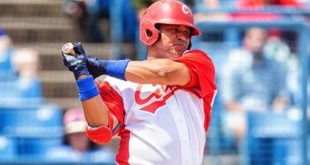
(196, 53)
(197, 56)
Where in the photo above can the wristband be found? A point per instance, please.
(87, 88)
(117, 68)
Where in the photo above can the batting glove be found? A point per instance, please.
(76, 64)
(114, 68)
(96, 66)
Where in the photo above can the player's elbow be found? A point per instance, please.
(100, 135)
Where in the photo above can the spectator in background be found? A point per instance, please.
(89, 13)
(278, 49)
(250, 82)
(77, 147)
(77, 11)
(18, 70)
(21, 61)
(5, 52)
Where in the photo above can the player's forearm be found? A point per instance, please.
(159, 71)
(95, 111)
(156, 71)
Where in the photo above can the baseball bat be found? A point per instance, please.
(67, 48)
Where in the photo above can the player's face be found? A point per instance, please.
(255, 39)
(174, 40)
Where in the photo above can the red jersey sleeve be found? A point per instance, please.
(113, 101)
(202, 71)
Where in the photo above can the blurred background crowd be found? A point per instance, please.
(260, 49)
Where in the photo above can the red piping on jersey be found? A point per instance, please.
(114, 102)
(122, 156)
(202, 82)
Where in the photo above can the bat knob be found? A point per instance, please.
(67, 48)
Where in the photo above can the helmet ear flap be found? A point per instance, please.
(148, 33)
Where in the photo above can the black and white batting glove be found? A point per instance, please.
(76, 63)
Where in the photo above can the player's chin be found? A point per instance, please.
(175, 55)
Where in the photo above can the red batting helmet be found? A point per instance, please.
(170, 12)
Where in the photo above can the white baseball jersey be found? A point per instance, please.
(163, 125)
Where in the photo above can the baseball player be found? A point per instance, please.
(160, 107)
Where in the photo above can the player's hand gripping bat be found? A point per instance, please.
(68, 49)
(75, 59)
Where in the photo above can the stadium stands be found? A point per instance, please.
(28, 130)
(272, 138)
(7, 149)
(271, 150)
